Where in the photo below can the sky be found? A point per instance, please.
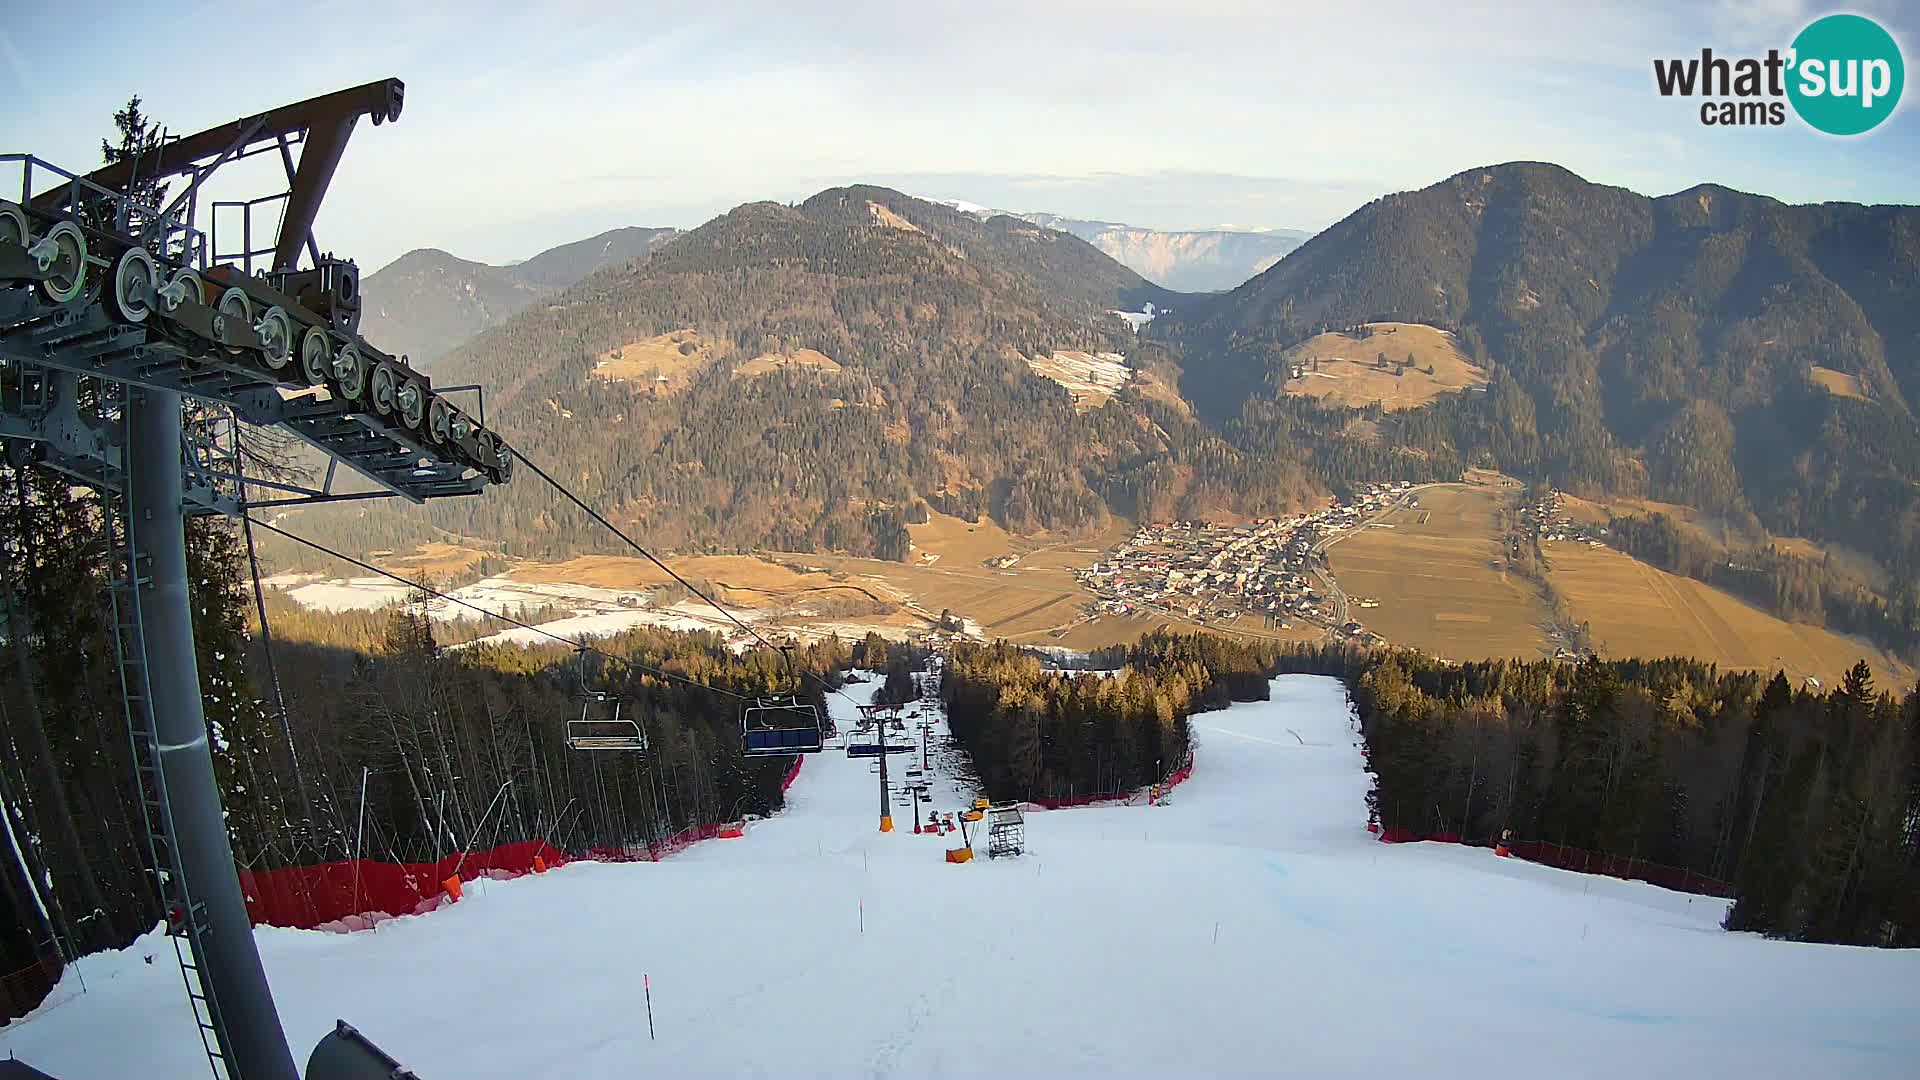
(530, 125)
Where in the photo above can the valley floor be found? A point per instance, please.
(1250, 928)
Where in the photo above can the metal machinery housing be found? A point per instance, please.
(132, 353)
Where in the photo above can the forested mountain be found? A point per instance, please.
(799, 377)
(557, 268)
(1712, 348)
(427, 301)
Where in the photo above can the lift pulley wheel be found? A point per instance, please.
(134, 276)
(276, 337)
(63, 252)
(316, 356)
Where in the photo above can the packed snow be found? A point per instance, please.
(1250, 928)
(1138, 319)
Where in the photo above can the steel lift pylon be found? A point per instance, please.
(132, 349)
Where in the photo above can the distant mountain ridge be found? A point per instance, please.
(1185, 260)
(811, 376)
(428, 301)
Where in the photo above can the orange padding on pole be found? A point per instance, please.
(539, 865)
(452, 885)
(886, 823)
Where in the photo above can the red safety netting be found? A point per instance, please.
(1586, 862)
(1115, 798)
(352, 894)
(1594, 862)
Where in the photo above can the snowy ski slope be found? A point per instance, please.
(1249, 929)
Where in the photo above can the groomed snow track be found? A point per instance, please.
(1250, 929)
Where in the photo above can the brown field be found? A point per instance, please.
(1036, 601)
(437, 561)
(666, 361)
(969, 544)
(742, 581)
(1436, 576)
(1005, 602)
(1490, 478)
(1032, 605)
(957, 541)
(1837, 383)
(1346, 374)
(1636, 610)
(800, 358)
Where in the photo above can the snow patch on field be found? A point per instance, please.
(593, 611)
(1092, 378)
(1138, 319)
(348, 594)
(1251, 928)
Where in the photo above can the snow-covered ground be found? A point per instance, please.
(1249, 929)
(595, 611)
(1138, 319)
(345, 594)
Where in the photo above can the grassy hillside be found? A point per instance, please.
(815, 376)
(1710, 348)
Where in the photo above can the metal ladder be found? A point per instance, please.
(186, 918)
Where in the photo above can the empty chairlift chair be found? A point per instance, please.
(775, 726)
(601, 727)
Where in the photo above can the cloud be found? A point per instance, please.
(532, 118)
(1756, 24)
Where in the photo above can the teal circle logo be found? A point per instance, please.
(1846, 74)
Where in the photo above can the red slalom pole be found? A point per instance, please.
(647, 981)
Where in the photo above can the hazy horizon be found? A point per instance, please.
(529, 128)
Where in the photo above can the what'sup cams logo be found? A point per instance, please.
(1842, 75)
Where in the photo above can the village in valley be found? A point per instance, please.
(1273, 571)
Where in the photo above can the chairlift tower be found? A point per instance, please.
(132, 347)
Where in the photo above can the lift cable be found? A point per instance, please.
(430, 591)
(650, 557)
(266, 635)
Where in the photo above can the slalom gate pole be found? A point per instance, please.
(647, 982)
